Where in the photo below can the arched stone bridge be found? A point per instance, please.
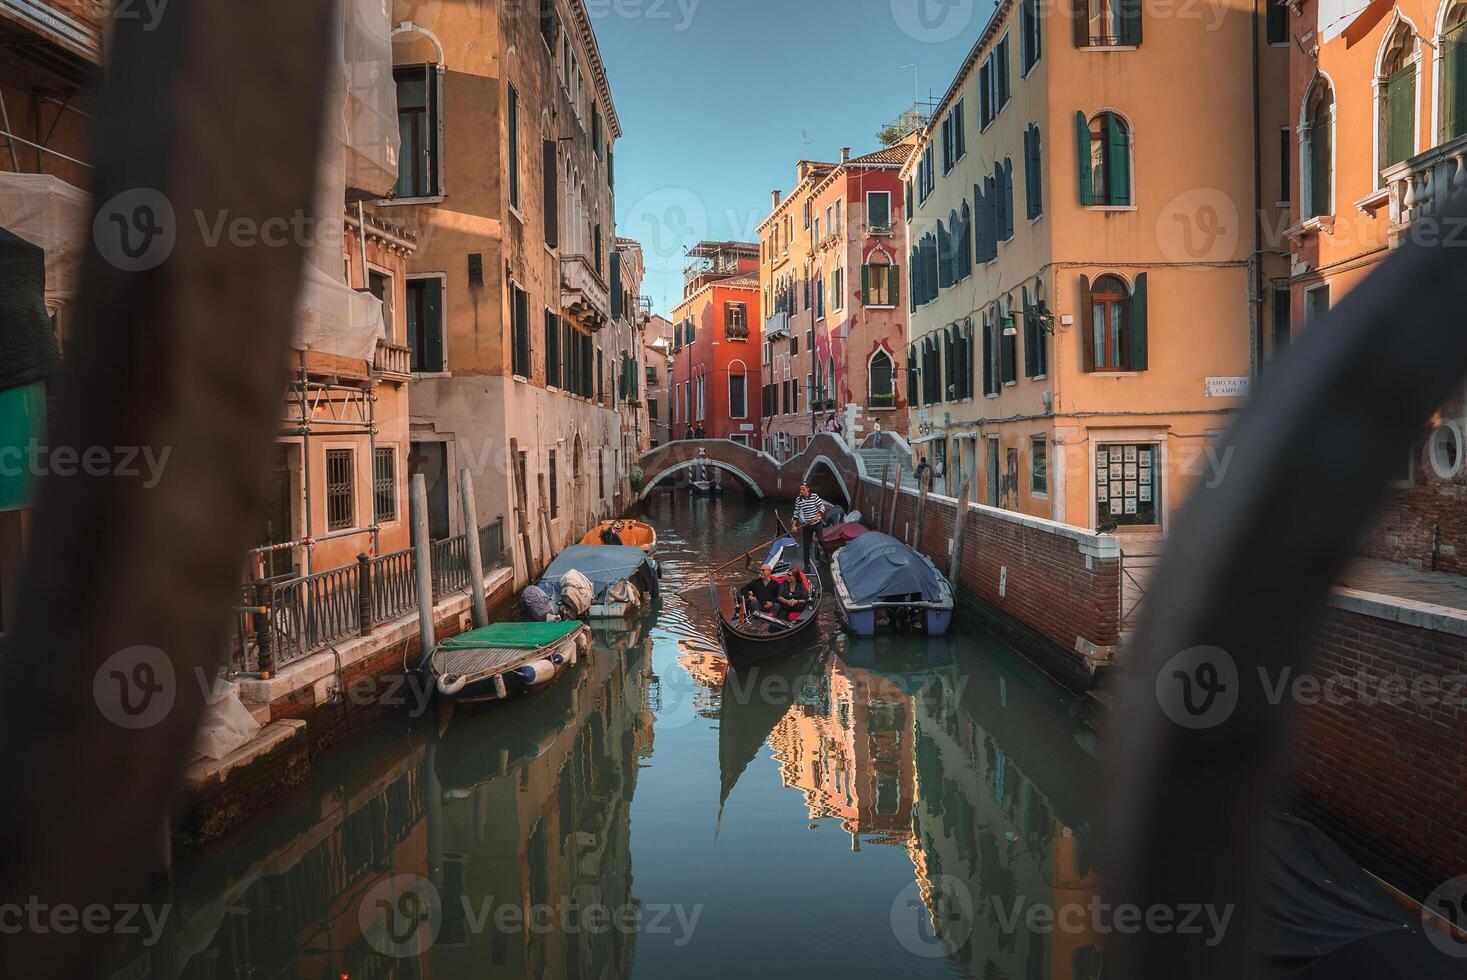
(827, 464)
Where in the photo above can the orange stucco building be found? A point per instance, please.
(1088, 293)
(1378, 105)
(715, 345)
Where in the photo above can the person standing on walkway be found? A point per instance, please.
(922, 470)
(809, 512)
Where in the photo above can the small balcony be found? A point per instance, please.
(736, 331)
(777, 326)
(583, 293)
(393, 362)
(1421, 186)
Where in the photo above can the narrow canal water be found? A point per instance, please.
(862, 809)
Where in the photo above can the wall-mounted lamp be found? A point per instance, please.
(1047, 320)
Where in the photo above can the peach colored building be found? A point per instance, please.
(520, 330)
(1088, 285)
(830, 274)
(1378, 103)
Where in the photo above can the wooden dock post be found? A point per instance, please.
(922, 489)
(896, 497)
(471, 537)
(545, 522)
(880, 514)
(424, 553)
(958, 529)
(521, 509)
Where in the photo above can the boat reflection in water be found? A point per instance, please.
(977, 771)
(399, 867)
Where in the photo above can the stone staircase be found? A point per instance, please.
(877, 460)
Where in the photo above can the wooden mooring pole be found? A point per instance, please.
(471, 537)
(423, 551)
(896, 497)
(922, 489)
(958, 529)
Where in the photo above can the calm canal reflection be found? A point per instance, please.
(861, 809)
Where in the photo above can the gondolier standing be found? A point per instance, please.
(809, 512)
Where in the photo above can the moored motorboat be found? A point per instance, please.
(622, 580)
(877, 577)
(502, 661)
(633, 534)
(750, 637)
(837, 536)
(704, 488)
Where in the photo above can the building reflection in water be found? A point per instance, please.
(525, 806)
(978, 773)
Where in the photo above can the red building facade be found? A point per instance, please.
(716, 343)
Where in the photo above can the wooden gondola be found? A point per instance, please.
(753, 638)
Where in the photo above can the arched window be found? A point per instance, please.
(965, 243)
(1114, 329)
(576, 458)
(1316, 158)
(1396, 96)
(881, 392)
(911, 375)
(1452, 83)
(1104, 158)
(738, 390)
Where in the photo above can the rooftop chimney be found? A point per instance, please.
(845, 154)
(774, 197)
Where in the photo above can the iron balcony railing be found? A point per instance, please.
(284, 619)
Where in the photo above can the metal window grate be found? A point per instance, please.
(340, 512)
(384, 485)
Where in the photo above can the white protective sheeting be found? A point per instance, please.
(50, 213)
(369, 118)
(359, 152)
(227, 724)
(335, 319)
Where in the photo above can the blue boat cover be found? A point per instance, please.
(875, 566)
(604, 565)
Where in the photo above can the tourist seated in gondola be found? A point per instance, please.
(794, 594)
(610, 535)
(762, 594)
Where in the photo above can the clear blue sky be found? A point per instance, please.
(719, 98)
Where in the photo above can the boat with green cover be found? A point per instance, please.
(498, 662)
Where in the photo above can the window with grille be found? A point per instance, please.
(384, 485)
(340, 508)
(553, 476)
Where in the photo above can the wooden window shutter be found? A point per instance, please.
(1087, 327)
(1081, 14)
(988, 386)
(1118, 160)
(1130, 11)
(433, 325)
(1030, 364)
(552, 197)
(894, 285)
(991, 196)
(1454, 84)
(1008, 198)
(865, 285)
(1139, 342)
(1082, 158)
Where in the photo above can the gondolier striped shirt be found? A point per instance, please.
(807, 509)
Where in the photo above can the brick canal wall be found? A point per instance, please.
(1050, 589)
(1382, 761)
